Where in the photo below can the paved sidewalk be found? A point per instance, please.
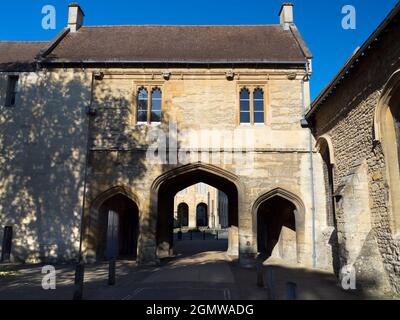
(200, 270)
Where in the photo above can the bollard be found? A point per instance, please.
(216, 235)
(179, 235)
(291, 291)
(79, 277)
(191, 234)
(7, 242)
(270, 281)
(204, 235)
(260, 275)
(111, 272)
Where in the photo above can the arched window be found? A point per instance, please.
(156, 98)
(244, 106)
(142, 105)
(258, 106)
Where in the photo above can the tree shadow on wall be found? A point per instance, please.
(43, 147)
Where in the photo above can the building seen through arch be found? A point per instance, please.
(206, 207)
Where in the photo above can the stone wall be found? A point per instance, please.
(347, 117)
(42, 152)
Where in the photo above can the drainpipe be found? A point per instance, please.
(80, 268)
(314, 253)
(90, 112)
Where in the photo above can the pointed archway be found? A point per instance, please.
(167, 185)
(279, 225)
(113, 226)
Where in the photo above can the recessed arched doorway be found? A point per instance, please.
(202, 215)
(325, 148)
(279, 225)
(115, 227)
(387, 132)
(396, 120)
(183, 215)
(169, 184)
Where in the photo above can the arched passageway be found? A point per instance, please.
(168, 185)
(279, 225)
(118, 228)
(276, 223)
(201, 215)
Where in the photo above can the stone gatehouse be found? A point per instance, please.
(109, 123)
(114, 118)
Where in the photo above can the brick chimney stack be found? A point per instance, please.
(75, 17)
(286, 15)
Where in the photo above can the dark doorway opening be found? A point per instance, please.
(202, 215)
(119, 228)
(6, 246)
(183, 215)
(273, 216)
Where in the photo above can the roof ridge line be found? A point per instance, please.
(181, 25)
(25, 41)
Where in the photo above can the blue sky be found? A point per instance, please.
(318, 20)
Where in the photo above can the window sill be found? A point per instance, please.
(153, 124)
(248, 125)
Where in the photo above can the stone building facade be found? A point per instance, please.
(356, 123)
(201, 205)
(101, 129)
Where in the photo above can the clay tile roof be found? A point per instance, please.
(19, 55)
(180, 44)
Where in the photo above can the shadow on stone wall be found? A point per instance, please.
(43, 143)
